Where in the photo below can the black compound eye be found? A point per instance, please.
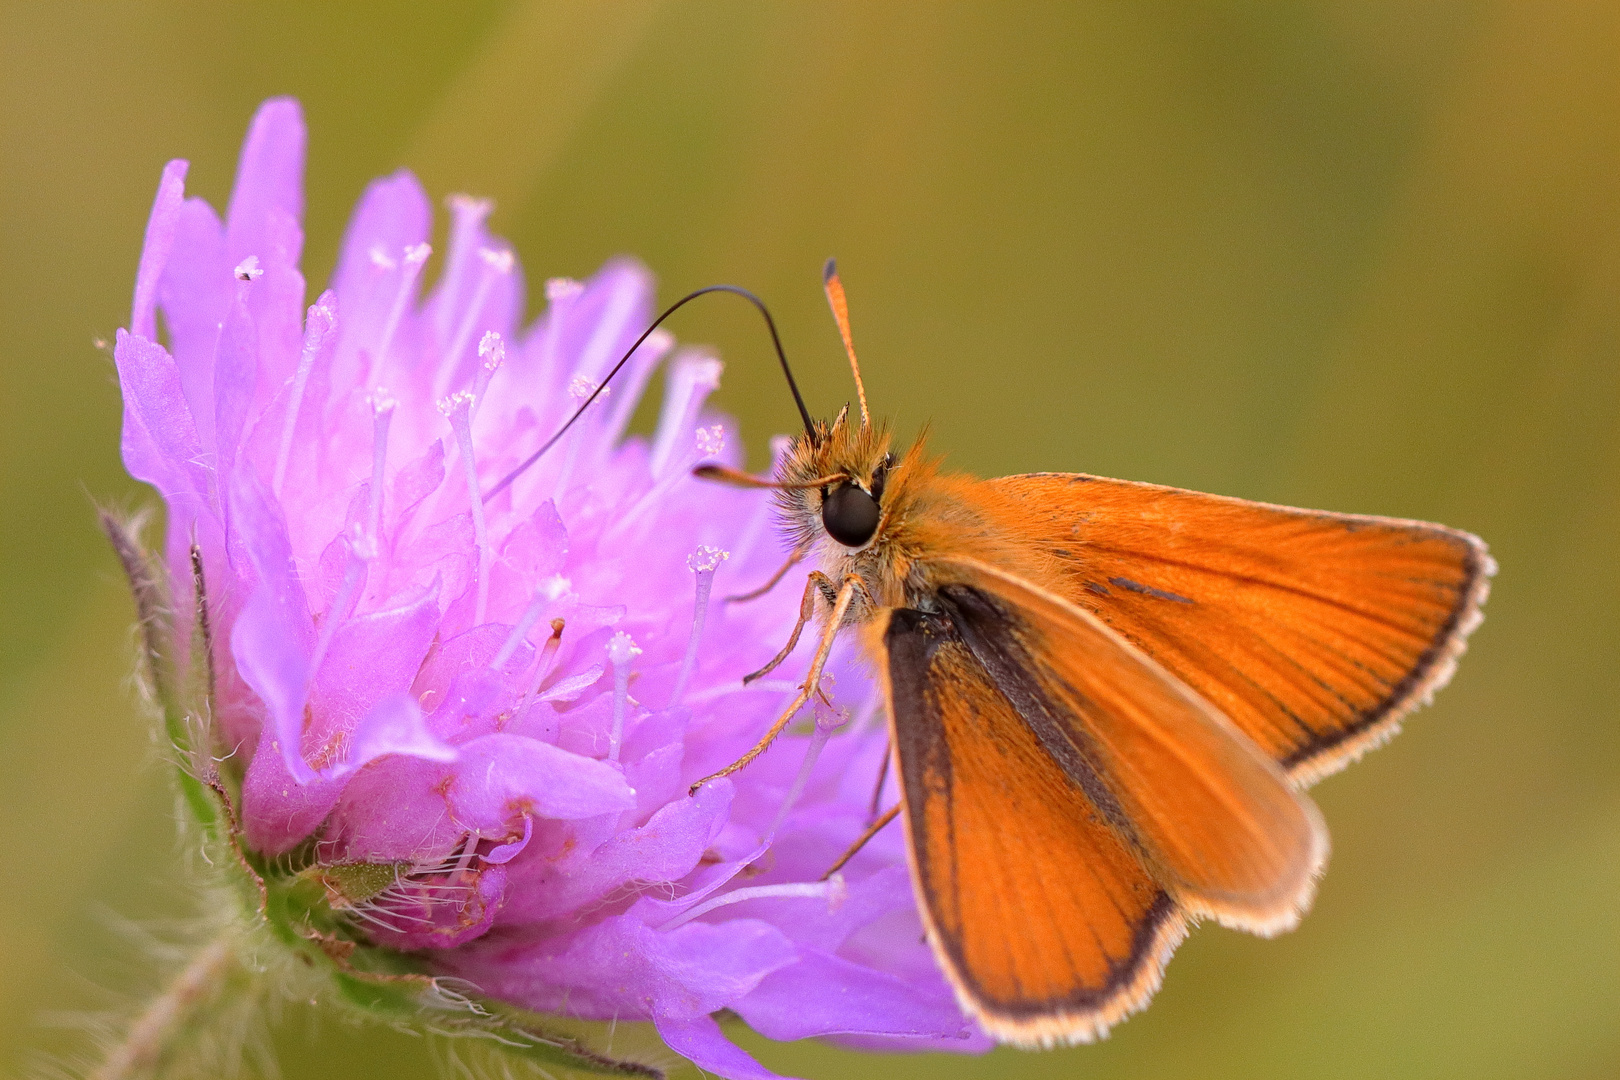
(849, 515)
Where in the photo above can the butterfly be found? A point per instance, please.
(1105, 698)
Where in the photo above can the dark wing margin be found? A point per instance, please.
(1043, 917)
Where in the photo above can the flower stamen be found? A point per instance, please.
(703, 563)
(690, 383)
(580, 389)
(318, 324)
(832, 890)
(467, 214)
(560, 295)
(492, 350)
(361, 552)
(828, 720)
(415, 256)
(525, 623)
(497, 264)
(457, 408)
(383, 405)
(621, 650)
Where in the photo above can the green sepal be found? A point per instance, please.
(185, 725)
(358, 882)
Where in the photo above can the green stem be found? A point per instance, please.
(151, 1033)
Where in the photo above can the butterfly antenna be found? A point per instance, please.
(776, 341)
(840, 310)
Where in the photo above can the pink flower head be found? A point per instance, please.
(502, 702)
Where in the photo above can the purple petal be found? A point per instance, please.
(236, 373)
(610, 315)
(395, 810)
(274, 637)
(701, 1041)
(623, 967)
(657, 779)
(664, 849)
(194, 292)
(866, 900)
(501, 777)
(505, 853)
(160, 442)
(394, 726)
(269, 179)
(394, 214)
(481, 290)
(571, 687)
(824, 994)
(277, 303)
(280, 809)
(460, 278)
(372, 657)
(160, 229)
(536, 548)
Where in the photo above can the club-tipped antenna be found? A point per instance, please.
(735, 290)
(840, 310)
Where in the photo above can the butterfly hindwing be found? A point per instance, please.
(1041, 912)
(1212, 818)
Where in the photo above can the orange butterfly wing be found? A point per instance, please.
(1066, 800)
(1041, 914)
(1313, 632)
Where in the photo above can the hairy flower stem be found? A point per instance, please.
(155, 1029)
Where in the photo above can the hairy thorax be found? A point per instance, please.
(927, 517)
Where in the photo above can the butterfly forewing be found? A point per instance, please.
(1042, 913)
(1312, 632)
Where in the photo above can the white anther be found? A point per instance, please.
(580, 388)
(498, 259)
(381, 401)
(380, 258)
(450, 404)
(703, 562)
(562, 288)
(470, 204)
(622, 649)
(500, 263)
(706, 373)
(492, 347)
(248, 269)
(706, 559)
(418, 253)
(711, 440)
(692, 377)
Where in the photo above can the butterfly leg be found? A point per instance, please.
(883, 775)
(793, 560)
(807, 607)
(812, 681)
(871, 830)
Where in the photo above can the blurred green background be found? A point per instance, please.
(1358, 255)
